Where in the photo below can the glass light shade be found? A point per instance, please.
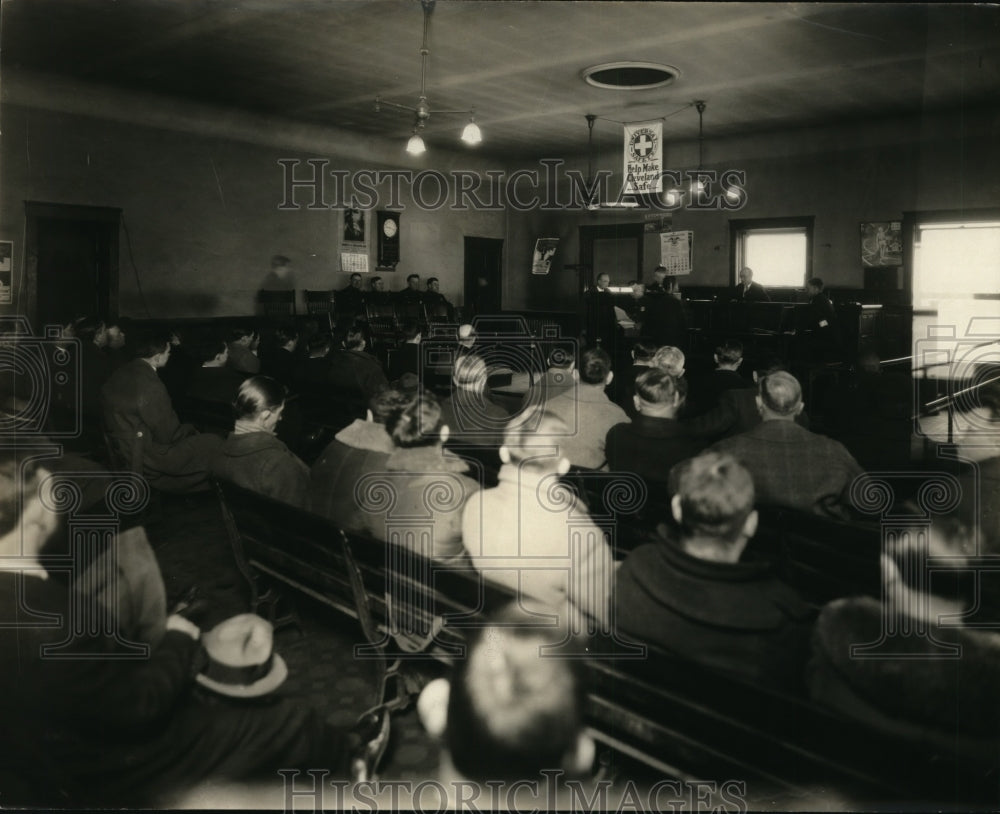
(415, 146)
(472, 134)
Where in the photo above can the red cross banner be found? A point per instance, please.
(643, 158)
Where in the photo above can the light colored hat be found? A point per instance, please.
(241, 658)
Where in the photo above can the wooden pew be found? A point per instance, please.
(682, 720)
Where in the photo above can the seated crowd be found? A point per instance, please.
(709, 451)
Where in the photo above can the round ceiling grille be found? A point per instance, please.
(630, 75)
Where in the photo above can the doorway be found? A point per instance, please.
(72, 262)
(483, 281)
(615, 249)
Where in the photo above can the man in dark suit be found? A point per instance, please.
(600, 317)
(791, 466)
(138, 413)
(691, 594)
(351, 300)
(406, 358)
(666, 318)
(748, 290)
(411, 295)
(654, 441)
(435, 302)
(820, 331)
(354, 371)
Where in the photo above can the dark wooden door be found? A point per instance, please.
(483, 282)
(73, 251)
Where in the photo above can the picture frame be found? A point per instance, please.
(355, 227)
(881, 244)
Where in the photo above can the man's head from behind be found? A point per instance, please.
(470, 373)
(670, 359)
(658, 394)
(779, 396)
(154, 346)
(529, 438)
(511, 710)
(714, 506)
(729, 355)
(595, 368)
(389, 401)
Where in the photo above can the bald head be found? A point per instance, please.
(780, 396)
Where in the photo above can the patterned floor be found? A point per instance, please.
(191, 544)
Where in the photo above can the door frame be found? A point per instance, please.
(588, 234)
(468, 301)
(35, 211)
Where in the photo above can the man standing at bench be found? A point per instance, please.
(690, 594)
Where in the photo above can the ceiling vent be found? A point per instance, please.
(630, 75)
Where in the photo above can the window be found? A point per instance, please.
(956, 293)
(779, 250)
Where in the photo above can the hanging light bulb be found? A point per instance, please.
(472, 134)
(415, 146)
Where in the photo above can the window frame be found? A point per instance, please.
(739, 228)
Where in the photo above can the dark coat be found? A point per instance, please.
(242, 359)
(473, 420)
(215, 384)
(738, 617)
(796, 468)
(349, 301)
(429, 489)
(279, 364)
(404, 359)
(409, 297)
(705, 392)
(601, 323)
(756, 293)
(735, 413)
(355, 371)
(141, 419)
(952, 700)
(260, 462)
(666, 321)
(649, 447)
(339, 469)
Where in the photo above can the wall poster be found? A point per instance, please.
(882, 244)
(6, 272)
(545, 249)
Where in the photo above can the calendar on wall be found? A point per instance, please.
(354, 262)
(676, 249)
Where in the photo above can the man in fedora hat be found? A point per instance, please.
(92, 719)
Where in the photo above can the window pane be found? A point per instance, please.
(777, 258)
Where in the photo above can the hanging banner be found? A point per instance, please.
(643, 158)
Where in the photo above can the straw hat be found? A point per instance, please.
(241, 658)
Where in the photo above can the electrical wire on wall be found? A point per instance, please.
(135, 271)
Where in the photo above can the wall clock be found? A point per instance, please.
(388, 240)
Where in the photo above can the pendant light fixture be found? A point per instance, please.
(471, 135)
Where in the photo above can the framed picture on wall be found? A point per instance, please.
(882, 244)
(545, 249)
(6, 272)
(354, 226)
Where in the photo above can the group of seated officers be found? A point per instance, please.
(710, 451)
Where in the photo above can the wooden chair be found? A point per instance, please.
(321, 303)
(382, 324)
(277, 304)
